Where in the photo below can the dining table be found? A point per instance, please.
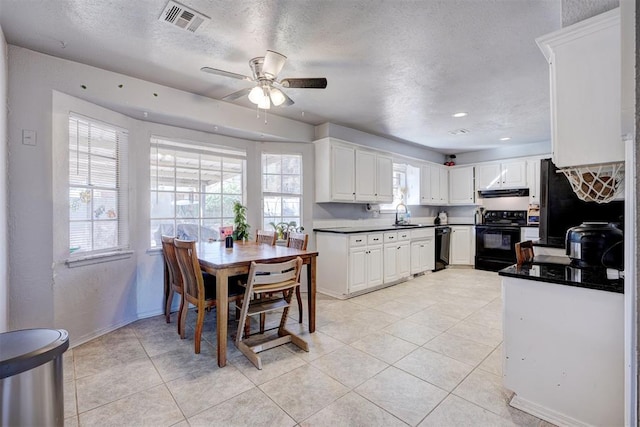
(224, 263)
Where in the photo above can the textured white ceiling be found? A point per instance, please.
(398, 69)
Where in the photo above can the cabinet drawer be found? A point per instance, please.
(404, 235)
(375, 239)
(357, 240)
(422, 233)
(390, 237)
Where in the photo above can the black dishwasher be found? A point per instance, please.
(443, 240)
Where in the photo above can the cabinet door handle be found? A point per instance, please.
(358, 240)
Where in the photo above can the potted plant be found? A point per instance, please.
(240, 225)
(283, 229)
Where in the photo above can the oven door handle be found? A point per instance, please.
(500, 228)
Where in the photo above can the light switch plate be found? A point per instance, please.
(28, 137)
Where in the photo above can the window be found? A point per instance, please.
(406, 186)
(281, 189)
(193, 189)
(97, 187)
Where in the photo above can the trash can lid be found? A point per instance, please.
(26, 349)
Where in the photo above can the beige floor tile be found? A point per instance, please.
(70, 408)
(349, 331)
(457, 412)
(370, 300)
(319, 345)
(178, 363)
(487, 317)
(453, 309)
(435, 368)
(493, 362)
(211, 388)
(152, 407)
(106, 352)
(422, 299)
(461, 349)
(71, 422)
(275, 362)
(385, 346)
(350, 366)
(303, 391)
(403, 395)
(168, 340)
(477, 333)
(115, 383)
(432, 319)
(400, 309)
(412, 332)
(251, 408)
(486, 390)
(352, 410)
(374, 316)
(68, 368)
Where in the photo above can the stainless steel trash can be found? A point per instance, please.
(31, 378)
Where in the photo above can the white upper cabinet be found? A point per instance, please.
(366, 176)
(461, 188)
(434, 184)
(507, 174)
(533, 180)
(585, 76)
(347, 173)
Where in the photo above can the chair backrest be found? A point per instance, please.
(274, 277)
(298, 241)
(192, 280)
(169, 254)
(524, 252)
(267, 237)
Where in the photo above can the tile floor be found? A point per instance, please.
(425, 352)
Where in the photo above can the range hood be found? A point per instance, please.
(504, 192)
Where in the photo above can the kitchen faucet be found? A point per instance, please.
(403, 220)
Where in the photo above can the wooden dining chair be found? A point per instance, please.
(174, 281)
(524, 252)
(266, 237)
(199, 287)
(298, 241)
(278, 280)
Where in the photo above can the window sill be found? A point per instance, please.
(154, 251)
(98, 258)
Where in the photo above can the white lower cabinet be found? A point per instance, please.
(423, 250)
(397, 254)
(462, 250)
(365, 268)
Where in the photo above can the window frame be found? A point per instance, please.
(281, 194)
(121, 188)
(204, 152)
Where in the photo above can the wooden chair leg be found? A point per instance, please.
(263, 318)
(183, 317)
(181, 321)
(167, 308)
(198, 334)
(299, 298)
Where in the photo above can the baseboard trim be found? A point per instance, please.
(544, 413)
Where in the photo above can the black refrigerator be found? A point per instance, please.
(561, 209)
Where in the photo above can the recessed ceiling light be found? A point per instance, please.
(460, 114)
(506, 138)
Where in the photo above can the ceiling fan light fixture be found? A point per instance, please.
(256, 95)
(277, 97)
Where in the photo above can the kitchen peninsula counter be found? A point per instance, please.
(563, 349)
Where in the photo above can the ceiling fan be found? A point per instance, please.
(265, 71)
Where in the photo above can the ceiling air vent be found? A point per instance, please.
(183, 17)
(459, 131)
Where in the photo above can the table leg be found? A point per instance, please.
(311, 293)
(222, 314)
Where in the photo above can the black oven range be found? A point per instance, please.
(496, 239)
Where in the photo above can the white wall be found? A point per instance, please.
(507, 152)
(89, 301)
(4, 275)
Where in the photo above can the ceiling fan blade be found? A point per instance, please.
(311, 83)
(273, 63)
(285, 103)
(226, 73)
(238, 94)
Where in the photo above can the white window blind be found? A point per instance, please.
(193, 188)
(98, 197)
(281, 189)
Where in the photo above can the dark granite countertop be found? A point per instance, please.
(552, 270)
(374, 228)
